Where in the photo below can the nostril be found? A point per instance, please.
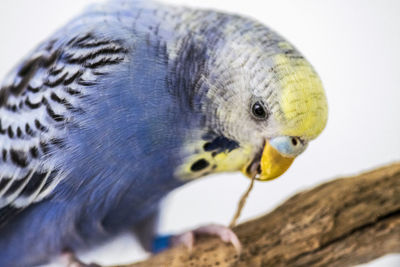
(294, 141)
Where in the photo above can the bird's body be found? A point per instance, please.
(114, 111)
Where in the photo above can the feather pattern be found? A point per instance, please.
(37, 105)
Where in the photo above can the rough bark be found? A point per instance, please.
(344, 222)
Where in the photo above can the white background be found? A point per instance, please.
(354, 46)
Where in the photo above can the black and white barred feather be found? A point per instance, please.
(38, 102)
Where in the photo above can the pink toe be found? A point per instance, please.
(224, 233)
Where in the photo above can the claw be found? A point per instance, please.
(224, 233)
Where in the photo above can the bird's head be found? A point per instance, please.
(273, 102)
(264, 96)
(285, 113)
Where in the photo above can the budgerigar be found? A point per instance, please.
(131, 100)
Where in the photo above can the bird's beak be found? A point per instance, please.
(271, 165)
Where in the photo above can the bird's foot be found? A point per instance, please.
(70, 260)
(224, 233)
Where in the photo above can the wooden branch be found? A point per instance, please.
(344, 222)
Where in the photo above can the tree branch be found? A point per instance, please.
(344, 222)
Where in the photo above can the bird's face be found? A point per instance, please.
(273, 103)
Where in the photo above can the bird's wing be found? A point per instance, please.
(38, 103)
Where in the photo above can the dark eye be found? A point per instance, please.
(259, 111)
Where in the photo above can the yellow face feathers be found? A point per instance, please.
(200, 162)
(302, 100)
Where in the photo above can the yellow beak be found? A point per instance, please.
(273, 164)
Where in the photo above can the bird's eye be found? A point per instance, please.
(259, 111)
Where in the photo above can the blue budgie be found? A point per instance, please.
(131, 100)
